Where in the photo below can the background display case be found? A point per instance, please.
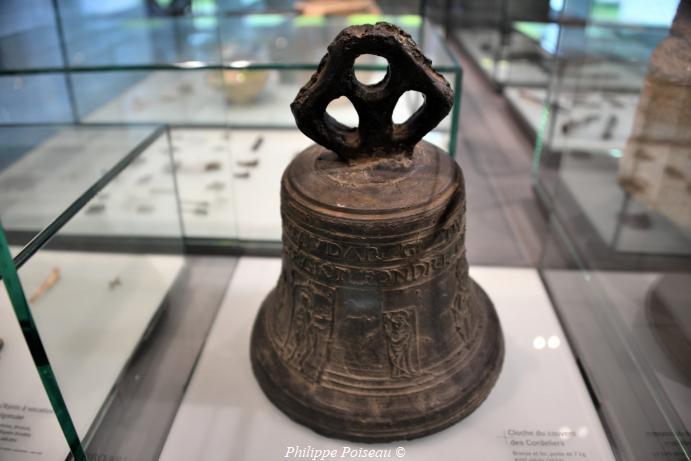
(525, 49)
(584, 125)
(511, 43)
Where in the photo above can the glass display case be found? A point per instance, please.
(586, 127)
(225, 71)
(222, 84)
(89, 283)
(523, 49)
(612, 170)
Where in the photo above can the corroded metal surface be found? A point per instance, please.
(375, 332)
(376, 135)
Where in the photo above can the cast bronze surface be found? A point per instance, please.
(375, 332)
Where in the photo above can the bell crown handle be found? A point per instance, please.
(376, 135)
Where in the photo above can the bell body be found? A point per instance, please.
(375, 332)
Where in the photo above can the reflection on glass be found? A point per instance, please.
(45, 169)
(553, 342)
(539, 342)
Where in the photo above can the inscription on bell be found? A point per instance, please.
(344, 252)
(401, 334)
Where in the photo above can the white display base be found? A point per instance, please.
(539, 410)
(89, 328)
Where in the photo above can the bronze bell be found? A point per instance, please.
(375, 332)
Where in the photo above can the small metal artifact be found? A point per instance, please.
(114, 283)
(375, 332)
(48, 283)
(257, 143)
(248, 163)
(145, 179)
(608, 131)
(212, 166)
(96, 208)
(145, 208)
(572, 124)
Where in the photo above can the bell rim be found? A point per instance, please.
(412, 428)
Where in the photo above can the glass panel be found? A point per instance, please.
(99, 285)
(46, 170)
(189, 98)
(116, 41)
(40, 98)
(512, 44)
(594, 100)
(98, 282)
(29, 36)
(120, 313)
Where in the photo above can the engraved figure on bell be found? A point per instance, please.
(460, 307)
(294, 348)
(462, 318)
(306, 348)
(400, 333)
